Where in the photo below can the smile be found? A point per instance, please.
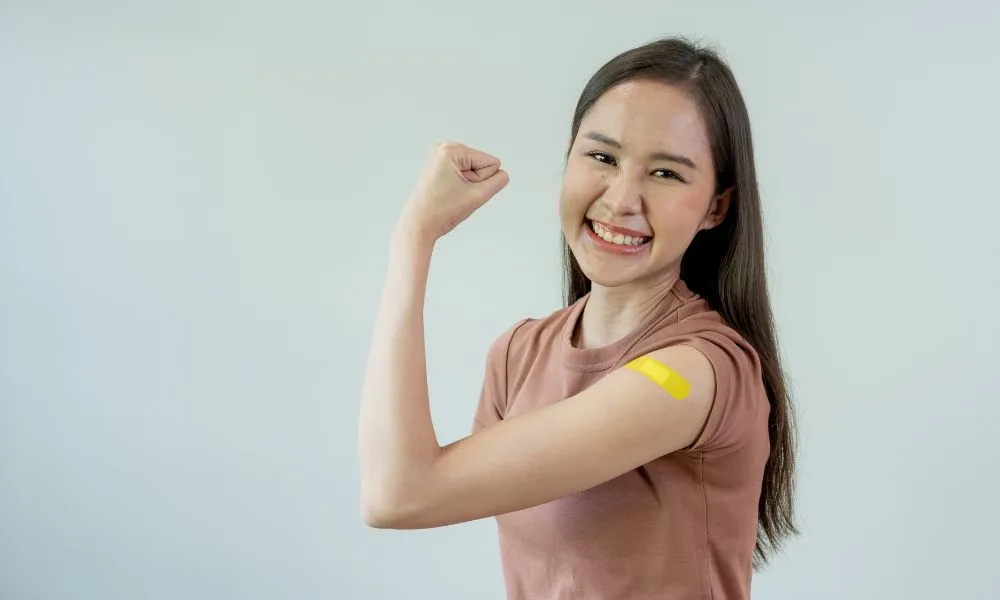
(616, 237)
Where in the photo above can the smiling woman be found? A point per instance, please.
(637, 443)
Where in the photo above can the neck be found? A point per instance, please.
(611, 313)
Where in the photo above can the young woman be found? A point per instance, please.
(637, 443)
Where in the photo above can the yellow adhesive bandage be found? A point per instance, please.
(664, 376)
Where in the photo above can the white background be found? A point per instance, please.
(195, 199)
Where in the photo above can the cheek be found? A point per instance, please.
(571, 212)
(579, 190)
(677, 219)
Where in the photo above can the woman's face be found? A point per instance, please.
(638, 185)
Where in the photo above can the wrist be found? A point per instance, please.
(411, 238)
(409, 263)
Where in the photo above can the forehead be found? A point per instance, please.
(647, 115)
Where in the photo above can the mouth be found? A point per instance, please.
(616, 238)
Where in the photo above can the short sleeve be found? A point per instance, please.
(739, 411)
(493, 397)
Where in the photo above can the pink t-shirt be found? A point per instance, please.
(680, 527)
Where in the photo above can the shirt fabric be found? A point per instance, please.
(680, 527)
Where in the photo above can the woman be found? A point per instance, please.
(637, 443)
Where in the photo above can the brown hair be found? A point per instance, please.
(725, 264)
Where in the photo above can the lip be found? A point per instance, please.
(621, 230)
(614, 248)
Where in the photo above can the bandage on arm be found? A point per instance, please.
(665, 377)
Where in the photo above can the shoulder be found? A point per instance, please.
(731, 355)
(697, 324)
(531, 335)
(740, 402)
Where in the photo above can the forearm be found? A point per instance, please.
(398, 445)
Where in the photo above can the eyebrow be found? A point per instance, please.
(668, 156)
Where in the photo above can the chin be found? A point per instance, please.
(606, 274)
(614, 277)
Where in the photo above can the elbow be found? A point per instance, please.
(375, 519)
(408, 502)
(389, 513)
(379, 516)
(376, 511)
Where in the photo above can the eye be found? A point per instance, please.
(603, 157)
(668, 174)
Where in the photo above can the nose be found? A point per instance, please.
(623, 195)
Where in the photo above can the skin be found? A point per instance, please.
(408, 480)
(627, 187)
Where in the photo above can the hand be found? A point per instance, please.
(455, 181)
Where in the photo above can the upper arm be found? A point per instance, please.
(621, 422)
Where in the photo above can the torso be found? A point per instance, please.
(681, 526)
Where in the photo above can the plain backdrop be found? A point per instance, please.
(195, 199)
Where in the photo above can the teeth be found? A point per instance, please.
(622, 240)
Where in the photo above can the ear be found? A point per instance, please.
(718, 208)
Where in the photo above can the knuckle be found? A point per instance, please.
(448, 147)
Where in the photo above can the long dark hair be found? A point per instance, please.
(725, 264)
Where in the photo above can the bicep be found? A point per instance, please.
(623, 421)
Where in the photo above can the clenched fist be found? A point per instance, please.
(455, 181)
